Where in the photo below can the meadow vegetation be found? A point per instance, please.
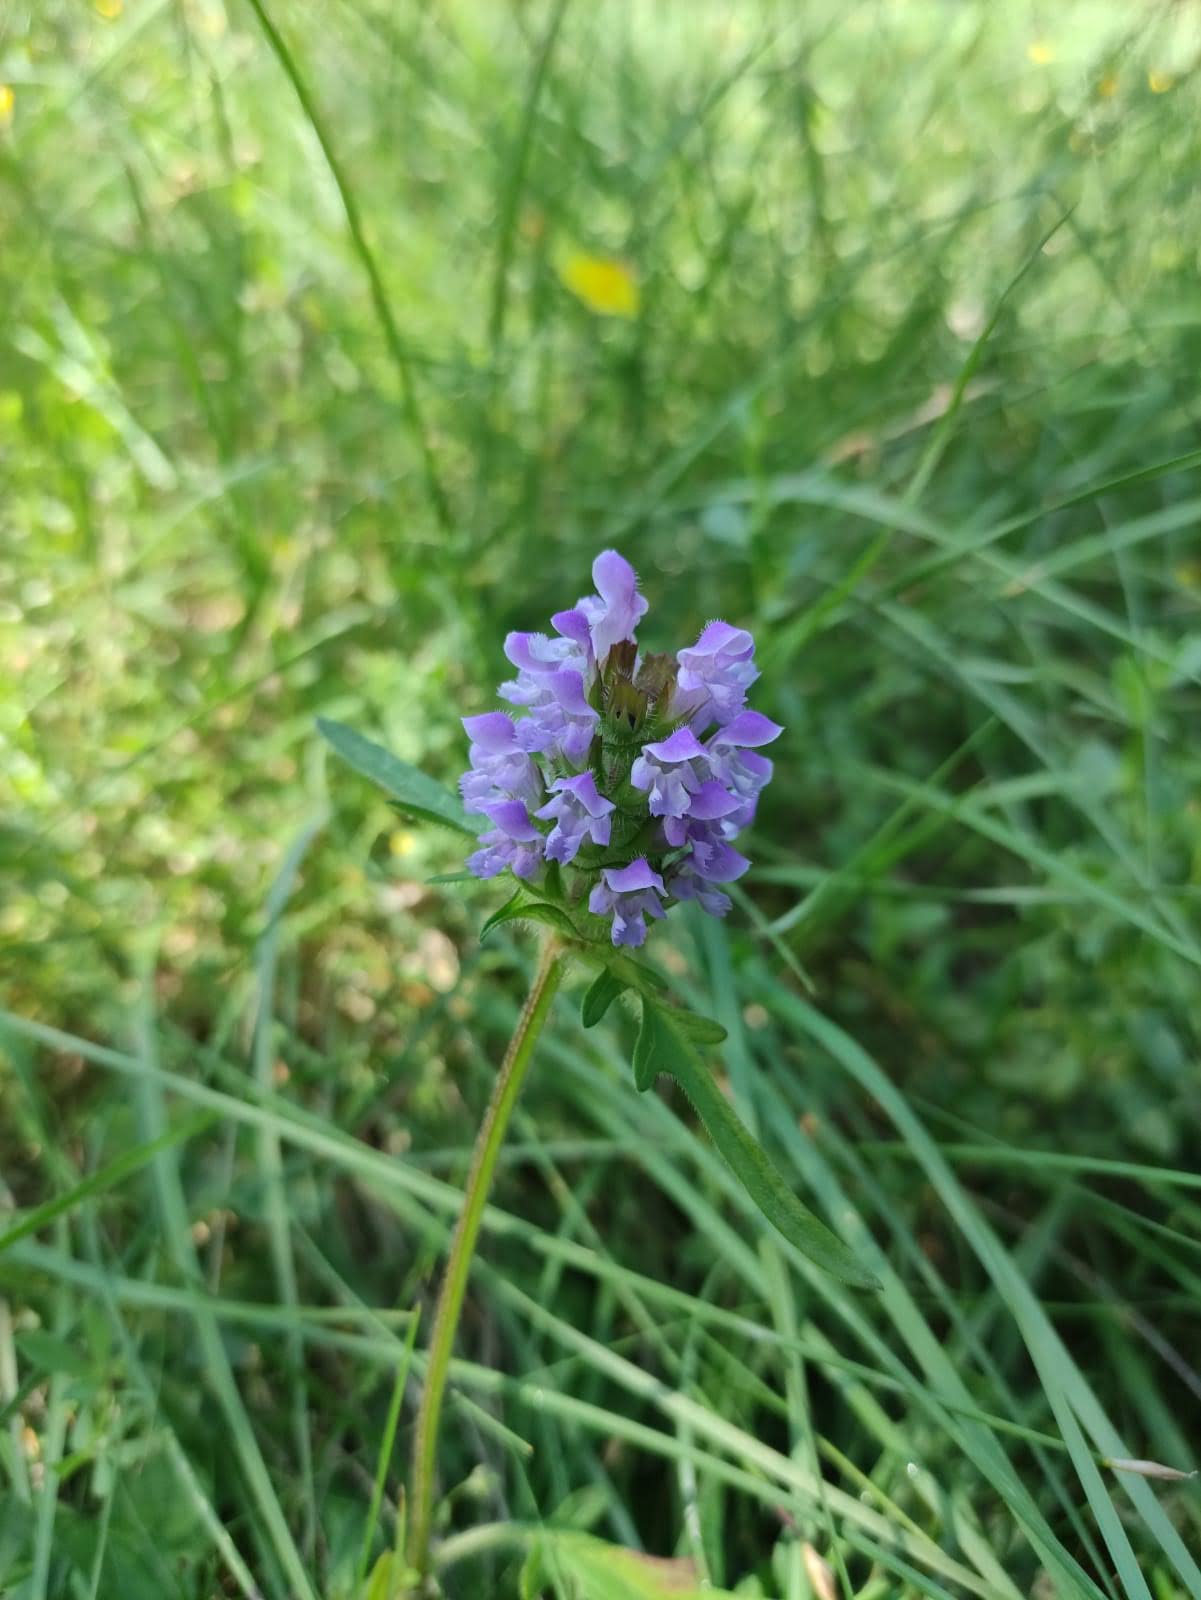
(334, 342)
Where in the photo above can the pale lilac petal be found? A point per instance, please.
(615, 611)
(719, 862)
(573, 625)
(583, 789)
(579, 812)
(568, 689)
(493, 731)
(748, 728)
(535, 652)
(685, 884)
(512, 818)
(683, 745)
(720, 638)
(600, 900)
(711, 801)
(715, 674)
(638, 875)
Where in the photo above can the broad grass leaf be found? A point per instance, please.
(605, 1571)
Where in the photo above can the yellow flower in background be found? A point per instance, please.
(1040, 52)
(1160, 82)
(110, 10)
(604, 284)
(6, 104)
(1107, 87)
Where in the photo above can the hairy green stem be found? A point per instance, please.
(454, 1285)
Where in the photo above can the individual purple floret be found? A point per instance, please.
(735, 763)
(671, 770)
(500, 769)
(616, 609)
(710, 803)
(561, 723)
(715, 674)
(631, 894)
(514, 842)
(580, 813)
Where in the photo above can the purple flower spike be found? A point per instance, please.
(715, 674)
(672, 770)
(514, 842)
(631, 894)
(552, 775)
(500, 769)
(580, 812)
(617, 608)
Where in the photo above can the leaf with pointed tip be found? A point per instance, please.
(635, 974)
(412, 791)
(553, 916)
(502, 914)
(663, 1047)
(602, 992)
(654, 1049)
(701, 1030)
(524, 907)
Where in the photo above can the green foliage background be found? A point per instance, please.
(297, 417)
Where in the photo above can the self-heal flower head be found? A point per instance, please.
(631, 894)
(619, 782)
(579, 813)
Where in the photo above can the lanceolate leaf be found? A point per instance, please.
(701, 1030)
(655, 1049)
(523, 907)
(663, 1046)
(635, 974)
(414, 792)
(600, 996)
(552, 916)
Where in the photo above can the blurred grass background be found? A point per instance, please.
(336, 342)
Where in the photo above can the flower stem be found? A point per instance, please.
(454, 1285)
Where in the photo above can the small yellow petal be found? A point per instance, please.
(109, 9)
(1108, 86)
(1160, 82)
(604, 284)
(6, 104)
(1040, 52)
